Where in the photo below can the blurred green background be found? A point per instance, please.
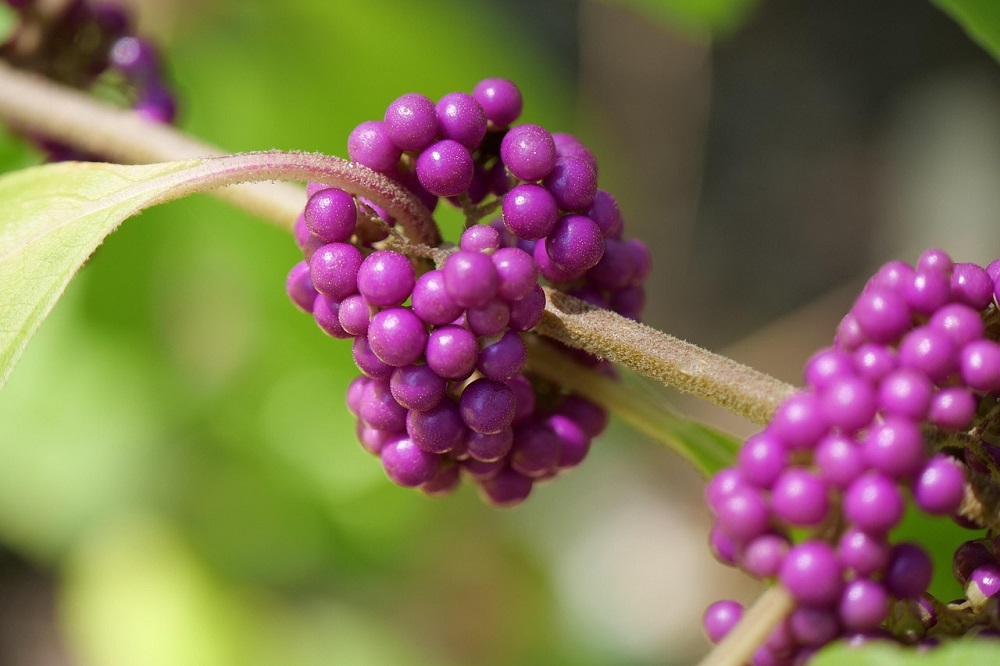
(179, 478)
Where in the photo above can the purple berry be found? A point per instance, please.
(417, 387)
(952, 408)
(812, 574)
(575, 244)
(487, 406)
(504, 358)
(928, 291)
(909, 571)
(971, 285)
(331, 215)
(895, 447)
(445, 168)
(489, 447)
(881, 315)
(470, 278)
(959, 322)
(762, 556)
(536, 449)
(940, 488)
(516, 271)
(604, 211)
(431, 301)
(527, 312)
(936, 260)
(827, 365)
(438, 429)
(488, 320)
(508, 488)
(500, 99)
(367, 361)
(333, 270)
(568, 145)
(411, 122)
(761, 459)
(407, 465)
(839, 460)
(299, 287)
(863, 553)
(379, 409)
(800, 498)
(326, 313)
(929, 351)
(528, 151)
(873, 362)
(461, 118)
(369, 144)
(479, 238)
(864, 605)
(452, 352)
(848, 403)
(354, 315)
(574, 444)
(873, 503)
(906, 392)
(386, 278)
(743, 514)
(980, 365)
(968, 557)
(530, 211)
(720, 618)
(798, 421)
(397, 336)
(573, 184)
(985, 579)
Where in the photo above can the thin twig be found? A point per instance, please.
(756, 625)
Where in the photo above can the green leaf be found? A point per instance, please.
(980, 18)
(53, 218)
(883, 653)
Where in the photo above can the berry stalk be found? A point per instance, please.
(39, 106)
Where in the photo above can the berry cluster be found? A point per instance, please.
(91, 47)
(896, 410)
(444, 390)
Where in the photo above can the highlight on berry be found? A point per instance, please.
(445, 392)
(900, 411)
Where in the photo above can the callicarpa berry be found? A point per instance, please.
(446, 394)
(914, 361)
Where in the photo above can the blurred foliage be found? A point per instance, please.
(716, 17)
(883, 653)
(980, 18)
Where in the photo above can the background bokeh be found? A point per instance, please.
(179, 480)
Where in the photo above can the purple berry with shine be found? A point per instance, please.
(331, 215)
(431, 301)
(762, 557)
(798, 421)
(873, 503)
(573, 184)
(864, 605)
(940, 488)
(848, 403)
(500, 99)
(397, 336)
(445, 168)
(527, 312)
(894, 275)
(487, 406)
(743, 514)
(839, 460)
(568, 145)
(417, 387)
(881, 315)
(722, 546)
(907, 393)
(411, 121)
(827, 365)
(980, 365)
(548, 268)
(470, 278)
(986, 579)
(333, 270)
(762, 459)
(959, 322)
(452, 352)
(936, 260)
(952, 408)
(528, 151)
(873, 362)
(800, 498)
(862, 552)
(895, 447)
(516, 272)
(407, 465)
(971, 285)
(461, 118)
(354, 315)
(369, 144)
(480, 237)
(928, 291)
(574, 444)
(812, 574)
(720, 618)
(929, 351)
(529, 211)
(575, 244)
(386, 278)
(488, 320)
(968, 557)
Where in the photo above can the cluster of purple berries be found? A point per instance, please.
(91, 47)
(889, 413)
(444, 391)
